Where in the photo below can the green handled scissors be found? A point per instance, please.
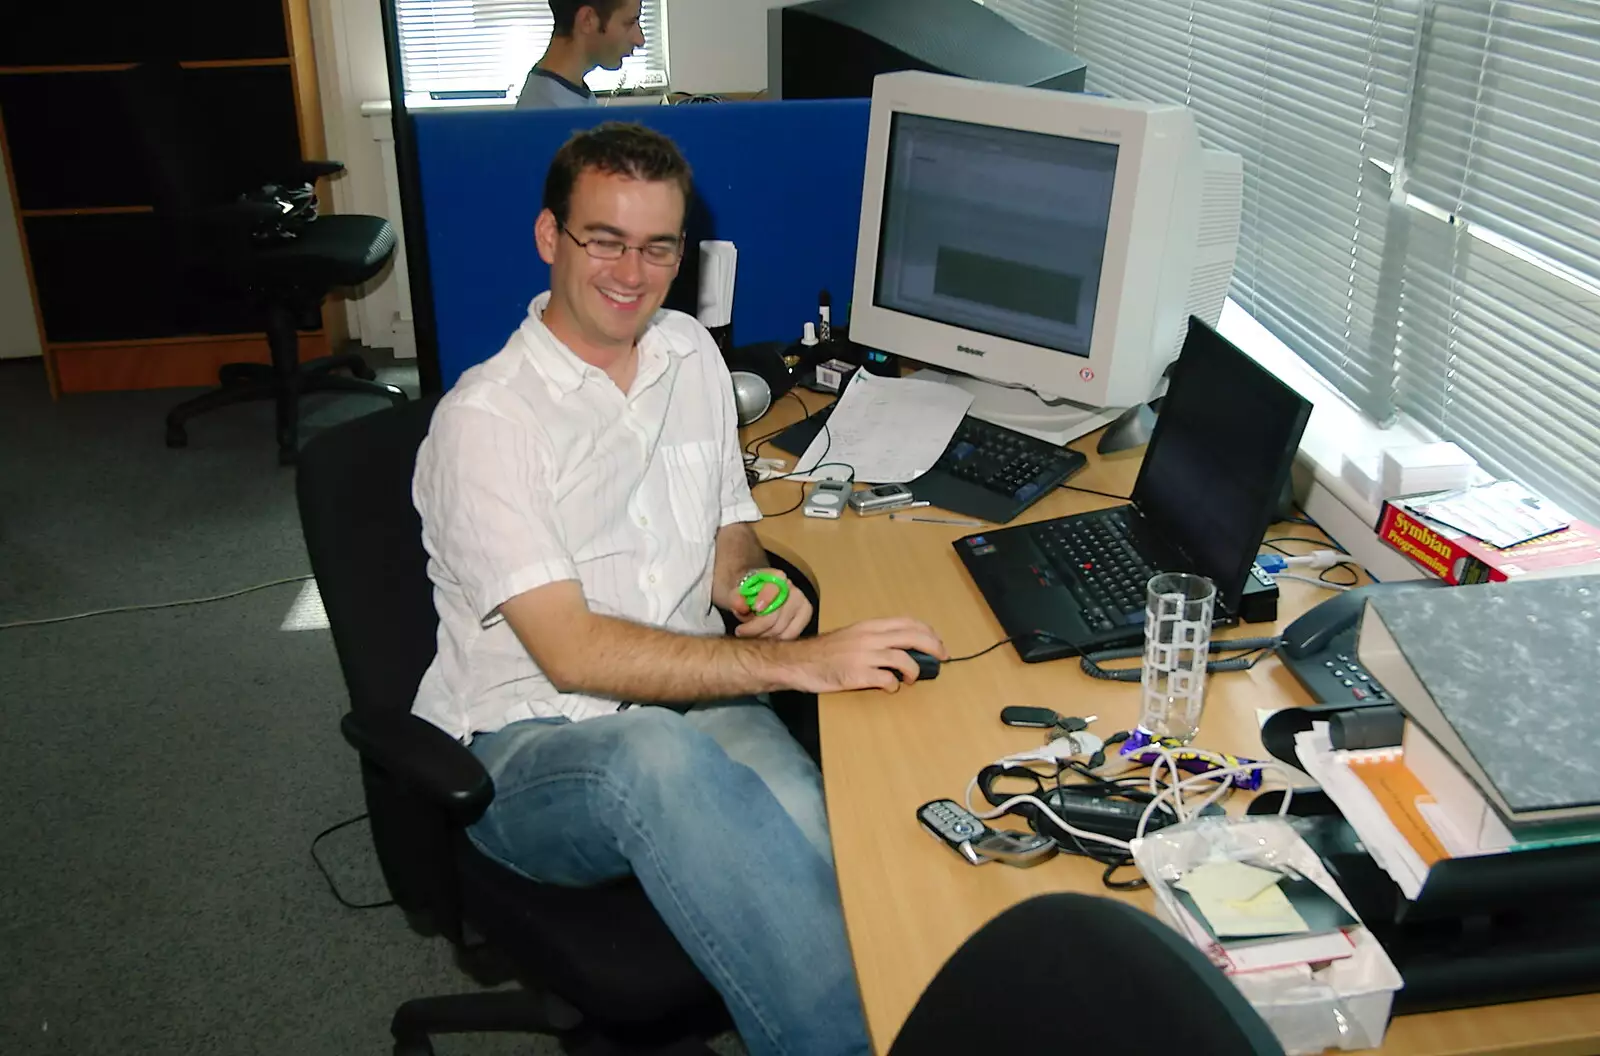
(750, 588)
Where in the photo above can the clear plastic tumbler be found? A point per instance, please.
(1177, 636)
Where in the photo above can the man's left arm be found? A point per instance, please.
(739, 551)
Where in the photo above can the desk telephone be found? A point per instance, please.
(1319, 648)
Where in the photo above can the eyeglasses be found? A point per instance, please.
(662, 254)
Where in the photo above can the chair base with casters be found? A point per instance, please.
(286, 379)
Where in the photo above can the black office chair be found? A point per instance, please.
(600, 967)
(215, 239)
(1084, 974)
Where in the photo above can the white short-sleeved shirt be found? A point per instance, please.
(537, 468)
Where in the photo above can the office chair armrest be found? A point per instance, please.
(312, 171)
(423, 757)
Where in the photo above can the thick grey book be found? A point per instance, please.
(1505, 679)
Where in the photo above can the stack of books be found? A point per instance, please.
(1457, 556)
(1501, 751)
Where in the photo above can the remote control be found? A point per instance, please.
(974, 841)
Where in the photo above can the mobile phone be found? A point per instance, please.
(1035, 717)
(880, 498)
(826, 499)
(968, 836)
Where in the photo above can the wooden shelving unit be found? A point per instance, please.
(111, 311)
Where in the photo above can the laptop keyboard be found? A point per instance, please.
(1099, 564)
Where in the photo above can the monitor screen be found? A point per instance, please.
(1219, 457)
(995, 230)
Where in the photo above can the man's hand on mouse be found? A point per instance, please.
(784, 623)
(864, 655)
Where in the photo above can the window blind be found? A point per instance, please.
(1422, 197)
(1499, 251)
(489, 45)
(1309, 93)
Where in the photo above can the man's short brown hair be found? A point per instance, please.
(565, 13)
(621, 149)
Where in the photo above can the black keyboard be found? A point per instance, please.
(987, 471)
(1097, 560)
(1007, 463)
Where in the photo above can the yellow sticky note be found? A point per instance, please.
(1227, 881)
(1269, 912)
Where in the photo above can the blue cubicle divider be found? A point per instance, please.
(782, 180)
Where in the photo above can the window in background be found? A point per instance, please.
(1422, 197)
(489, 45)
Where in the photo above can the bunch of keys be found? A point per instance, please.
(1068, 727)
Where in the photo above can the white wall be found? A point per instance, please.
(718, 45)
(18, 335)
(348, 35)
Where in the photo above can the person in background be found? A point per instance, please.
(587, 34)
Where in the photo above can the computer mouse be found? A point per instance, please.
(927, 666)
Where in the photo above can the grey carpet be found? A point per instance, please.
(162, 773)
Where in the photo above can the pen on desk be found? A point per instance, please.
(959, 522)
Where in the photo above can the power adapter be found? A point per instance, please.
(1107, 815)
(1259, 601)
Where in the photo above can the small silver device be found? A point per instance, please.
(880, 498)
(826, 499)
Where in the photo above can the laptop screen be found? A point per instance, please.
(1219, 458)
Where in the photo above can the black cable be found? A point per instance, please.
(1112, 860)
(1243, 648)
(981, 652)
(1355, 575)
(822, 463)
(1092, 491)
(329, 831)
(751, 447)
(1324, 544)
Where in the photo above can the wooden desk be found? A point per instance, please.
(908, 902)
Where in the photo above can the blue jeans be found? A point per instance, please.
(719, 814)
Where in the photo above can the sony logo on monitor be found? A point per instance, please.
(971, 351)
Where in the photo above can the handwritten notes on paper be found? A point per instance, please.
(885, 430)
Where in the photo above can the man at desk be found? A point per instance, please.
(585, 512)
(586, 34)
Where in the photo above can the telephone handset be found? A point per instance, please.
(1319, 648)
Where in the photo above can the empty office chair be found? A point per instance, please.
(599, 964)
(1081, 973)
(217, 242)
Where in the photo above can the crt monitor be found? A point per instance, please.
(1047, 248)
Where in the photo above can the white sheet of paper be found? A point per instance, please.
(888, 430)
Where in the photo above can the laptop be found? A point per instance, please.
(1213, 477)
